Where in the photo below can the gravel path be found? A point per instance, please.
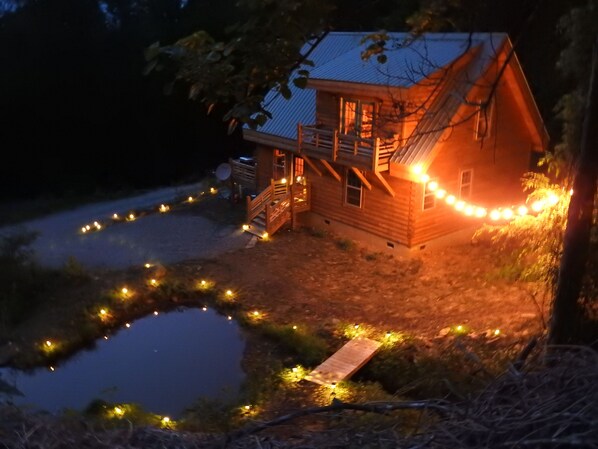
(164, 238)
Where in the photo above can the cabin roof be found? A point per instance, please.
(338, 58)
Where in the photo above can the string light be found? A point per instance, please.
(164, 208)
(472, 210)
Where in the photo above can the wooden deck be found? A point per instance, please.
(344, 362)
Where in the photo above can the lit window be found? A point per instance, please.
(429, 196)
(465, 183)
(353, 189)
(299, 166)
(483, 120)
(357, 118)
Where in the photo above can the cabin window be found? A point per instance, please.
(280, 164)
(482, 126)
(429, 195)
(299, 167)
(465, 183)
(353, 189)
(357, 118)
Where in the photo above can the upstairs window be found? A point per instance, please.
(429, 195)
(353, 189)
(357, 118)
(482, 126)
(465, 183)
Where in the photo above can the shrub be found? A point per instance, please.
(308, 349)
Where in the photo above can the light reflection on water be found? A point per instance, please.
(164, 363)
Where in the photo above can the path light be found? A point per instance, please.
(283, 181)
(105, 337)
(294, 328)
(440, 193)
(245, 227)
(496, 332)
(388, 334)
(204, 308)
(229, 293)
(131, 217)
(480, 212)
(118, 411)
(48, 343)
(51, 368)
(165, 420)
(553, 198)
(115, 216)
(495, 215)
(155, 312)
(190, 199)
(507, 214)
(213, 190)
(164, 208)
(87, 227)
(522, 210)
(256, 313)
(153, 282)
(229, 317)
(356, 326)
(265, 236)
(451, 199)
(127, 325)
(333, 385)
(84, 229)
(148, 265)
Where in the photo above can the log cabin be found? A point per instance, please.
(418, 143)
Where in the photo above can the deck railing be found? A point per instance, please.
(243, 173)
(354, 151)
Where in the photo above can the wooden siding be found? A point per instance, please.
(498, 162)
(264, 159)
(380, 214)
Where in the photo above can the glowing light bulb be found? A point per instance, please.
(299, 178)
(440, 193)
(507, 214)
(84, 229)
(153, 282)
(469, 210)
(553, 198)
(424, 178)
(204, 308)
(190, 199)
(165, 420)
(460, 205)
(247, 407)
(522, 210)
(245, 227)
(265, 236)
(537, 206)
(48, 343)
(450, 199)
(356, 326)
(294, 369)
(459, 328)
(212, 190)
(96, 224)
(417, 169)
(229, 293)
(105, 337)
(155, 313)
(388, 334)
(283, 181)
(203, 283)
(103, 312)
(127, 325)
(131, 216)
(229, 317)
(333, 385)
(480, 212)
(87, 227)
(571, 192)
(256, 313)
(115, 216)
(124, 290)
(294, 328)
(432, 186)
(496, 332)
(99, 227)
(51, 368)
(148, 265)
(118, 411)
(495, 214)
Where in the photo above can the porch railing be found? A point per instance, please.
(243, 173)
(354, 151)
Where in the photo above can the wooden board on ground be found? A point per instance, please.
(344, 362)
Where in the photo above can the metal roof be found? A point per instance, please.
(442, 111)
(338, 57)
(301, 107)
(408, 61)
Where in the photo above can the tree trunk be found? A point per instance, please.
(567, 319)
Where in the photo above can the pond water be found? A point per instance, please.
(163, 362)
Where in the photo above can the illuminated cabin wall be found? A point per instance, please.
(498, 162)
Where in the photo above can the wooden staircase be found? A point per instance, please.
(274, 207)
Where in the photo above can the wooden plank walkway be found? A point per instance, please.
(344, 362)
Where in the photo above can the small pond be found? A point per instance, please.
(163, 362)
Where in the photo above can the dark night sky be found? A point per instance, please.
(77, 115)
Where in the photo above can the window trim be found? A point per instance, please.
(358, 115)
(429, 194)
(347, 187)
(486, 117)
(469, 184)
